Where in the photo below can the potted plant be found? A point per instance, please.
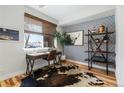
(63, 39)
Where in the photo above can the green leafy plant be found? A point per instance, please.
(63, 39)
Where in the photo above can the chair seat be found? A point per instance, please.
(51, 57)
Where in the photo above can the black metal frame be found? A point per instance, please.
(92, 52)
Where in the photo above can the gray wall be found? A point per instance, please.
(77, 52)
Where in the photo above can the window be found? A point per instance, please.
(38, 33)
(33, 33)
(33, 41)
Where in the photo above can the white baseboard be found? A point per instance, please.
(96, 66)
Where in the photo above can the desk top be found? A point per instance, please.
(38, 53)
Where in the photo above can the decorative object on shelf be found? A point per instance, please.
(9, 34)
(106, 39)
(77, 38)
(93, 30)
(97, 40)
(101, 29)
(99, 52)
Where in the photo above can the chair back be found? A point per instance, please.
(52, 55)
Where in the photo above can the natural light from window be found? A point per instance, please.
(34, 41)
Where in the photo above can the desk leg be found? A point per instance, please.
(32, 65)
(27, 69)
(49, 63)
(60, 59)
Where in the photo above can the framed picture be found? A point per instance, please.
(9, 34)
(77, 38)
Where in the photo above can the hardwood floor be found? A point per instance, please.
(109, 80)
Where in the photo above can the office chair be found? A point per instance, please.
(51, 57)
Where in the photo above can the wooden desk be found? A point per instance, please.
(30, 59)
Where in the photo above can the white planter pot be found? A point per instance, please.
(63, 57)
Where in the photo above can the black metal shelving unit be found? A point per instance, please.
(95, 51)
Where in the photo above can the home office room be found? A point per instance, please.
(61, 45)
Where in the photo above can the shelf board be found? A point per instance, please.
(101, 52)
(99, 61)
(102, 43)
(99, 33)
(105, 42)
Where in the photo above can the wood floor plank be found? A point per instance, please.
(18, 78)
(8, 83)
(3, 84)
(11, 82)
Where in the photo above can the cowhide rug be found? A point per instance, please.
(66, 75)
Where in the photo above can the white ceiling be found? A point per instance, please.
(60, 11)
(68, 14)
